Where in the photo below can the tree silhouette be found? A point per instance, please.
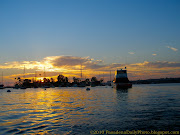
(61, 78)
(76, 80)
(94, 79)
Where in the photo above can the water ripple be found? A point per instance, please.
(77, 111)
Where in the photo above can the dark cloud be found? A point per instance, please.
(71, 62)
(61, 61)
(93, 66)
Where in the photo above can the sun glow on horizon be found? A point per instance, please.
(85, 68)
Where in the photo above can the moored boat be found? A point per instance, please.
(121, 80)
(22, 87)
(1, 86)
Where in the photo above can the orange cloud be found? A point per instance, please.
(158, 64)
(131, 53)
(70, 66)
(172, 48)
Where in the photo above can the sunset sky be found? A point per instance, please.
(103, 35)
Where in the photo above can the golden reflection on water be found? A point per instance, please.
(36, 108)
(72, 110)
(43, 106)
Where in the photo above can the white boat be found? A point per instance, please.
(121, 80)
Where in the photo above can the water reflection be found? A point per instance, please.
(37, 110)
(77, 111)
(122, 94)
(122, 90)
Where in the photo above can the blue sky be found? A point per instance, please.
(115, 31)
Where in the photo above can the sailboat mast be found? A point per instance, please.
(44, 72)
(2, 77)
(35, 76)
(110, 75)
(81, 71)
(24, 71)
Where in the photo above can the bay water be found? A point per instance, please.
(101, 110)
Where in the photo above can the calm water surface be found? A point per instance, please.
(77, 111)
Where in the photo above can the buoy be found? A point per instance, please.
(8, 91)
(87, 88)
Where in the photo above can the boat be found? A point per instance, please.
(93, 84)
(22, 87)
(87, 89)
(82, 84)
(121, 80)
(1, 86)
(46, 86)
(74, 85)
